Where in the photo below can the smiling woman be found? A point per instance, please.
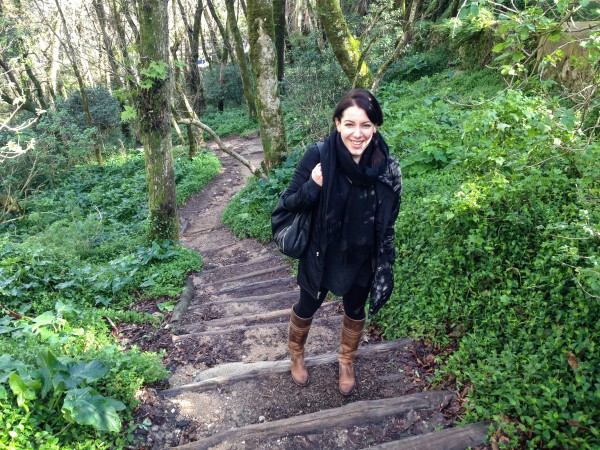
(352, 187)
(356, 130)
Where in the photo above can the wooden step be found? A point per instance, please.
(250, 262)
(253, 298)
(200, 283)
(259, 285)
(260, 314)
(457, 438)
(347, 416)
(226, 374)
(244, 328)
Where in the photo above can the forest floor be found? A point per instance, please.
(237, 319)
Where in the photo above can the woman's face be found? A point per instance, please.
(356, 130)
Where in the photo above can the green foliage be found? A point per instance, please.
(81, 247)
(307, 110)
(156, 70)
(192, 176)
(412, 67)
(56, 143)
(230, 121)
(230, 92)
(43, 394)
(422, 125)
(498, 248)
(104, 109)
(248, 214)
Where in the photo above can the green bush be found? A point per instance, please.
(79, 256)
(422, 120)
(507, 262)
(228, 122)
(104, 109)
(415, 66)
(248, 214)
(231, 92)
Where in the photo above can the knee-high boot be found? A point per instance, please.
(297, 338)
(349, 341)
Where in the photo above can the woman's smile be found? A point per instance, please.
(356, 130)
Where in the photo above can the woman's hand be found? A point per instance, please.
(317, 175)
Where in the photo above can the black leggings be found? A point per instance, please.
(354, 303)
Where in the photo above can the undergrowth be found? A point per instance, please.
(68, 270)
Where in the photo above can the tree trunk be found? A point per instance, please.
(400, 45)
(155, 121)
(280, 26)
(194, 80)
(107, 43)
(54, 63)
(241, 59)
(264, 68)
(84, 98)
(345, 46)
(19, 93)
(130, 21)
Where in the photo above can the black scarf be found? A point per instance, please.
(351, 200)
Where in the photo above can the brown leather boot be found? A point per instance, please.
(297, 338)
(349, 340)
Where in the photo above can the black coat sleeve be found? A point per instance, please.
(303, 191)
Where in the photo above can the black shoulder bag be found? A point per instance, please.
(291, 231)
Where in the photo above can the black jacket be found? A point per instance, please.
(304, 194)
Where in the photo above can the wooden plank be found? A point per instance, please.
(184, 301)
(218, 249)
(231, 373)
(350, 415)
(256, 285)
(457, 438)
(286, 295)
(260, 317)
(244, 276)
(242, 264)
(241, 329)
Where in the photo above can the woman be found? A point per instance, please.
(353, 187)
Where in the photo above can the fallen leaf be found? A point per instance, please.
(573, 361)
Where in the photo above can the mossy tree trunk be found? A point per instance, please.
(263, 60)
(194, 79)
(155, 119)
(280, 26)
(72, 55)
(241, 58)
(345, 46)
(223, 52)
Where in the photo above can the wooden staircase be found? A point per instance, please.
(236, 313)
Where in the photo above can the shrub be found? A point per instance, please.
(230, 121)
(78, 257)
(230, 92)
(104, 109)
(248, 214)
(507, 264)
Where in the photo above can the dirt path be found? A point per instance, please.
(226, 345)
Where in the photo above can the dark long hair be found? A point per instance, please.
(366, 101)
